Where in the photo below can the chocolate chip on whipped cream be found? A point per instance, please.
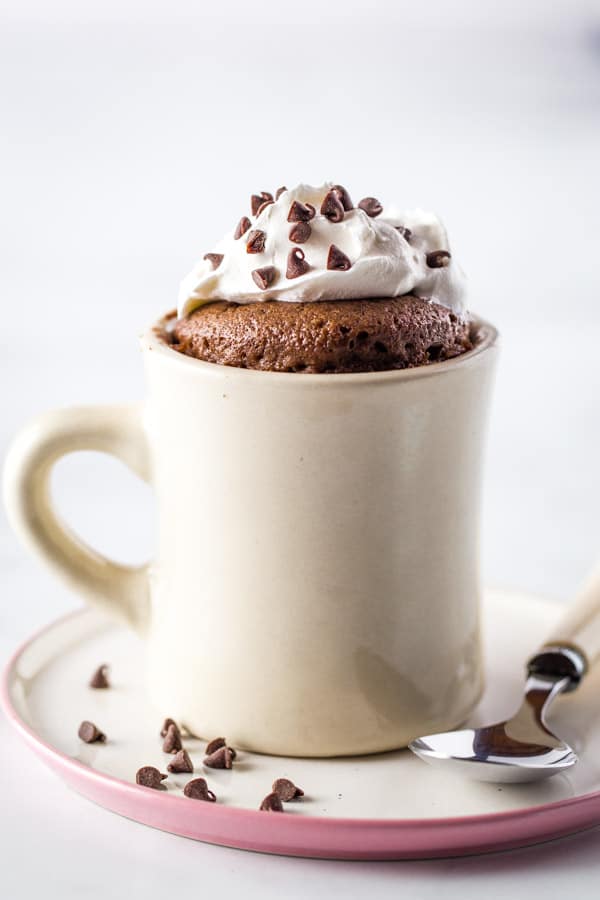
(264, 277)
(256, 241)
(376, 241)
(280, 191)
(300, 233)
(296, 263)
(215, 259)
(439, 259)
(371, 206)
(344, 197)
(258, 200)
(263, 206)
(301, 212)
(90, 733)
(337, 260)
(242, 227)
(332, 207)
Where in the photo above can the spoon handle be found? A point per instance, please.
(579, 627)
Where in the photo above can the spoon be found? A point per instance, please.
(524, 748)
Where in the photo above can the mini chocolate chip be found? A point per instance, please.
(256, 241)
(165, 726)
(242, 227)
(344, 196)
(271, 803)
(286, 789)
(90, 734)
(172, 741)
(405, 232)
(338, 260)
(280, 191)
(332, 207)
(301, 212)
(264, 206)
(371, 206)
(296, 264)
(300, 232)
(197, 789)
(257, 200)
(438, 259)
(215, 744)
(181, 763)
(99, 679)
(264, 277)
(150, 777)
(215, 259)
(220, 759)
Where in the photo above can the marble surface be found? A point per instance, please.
(124, 123)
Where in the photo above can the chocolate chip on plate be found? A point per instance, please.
(216, 744)
(286, 790)
(99, 679)
(197, 789)
(256, 241)
(301, 212)
(344, 196)
(220, 759)
(300, 232)
(165, 726)
(181, 763)
(271, 803)
(296, 263)
(405, 232)
(280, 191)
(242, 227)
(89, 733)
(438, 259)
(215, 259)
(332, 207)
(264, 277)
(371, 206)
(150, 777)
(336, 259)
(172, 742)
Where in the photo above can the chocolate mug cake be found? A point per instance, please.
(311, 283)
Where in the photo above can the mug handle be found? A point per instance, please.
(122, 591)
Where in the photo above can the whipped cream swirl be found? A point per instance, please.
(376, 253)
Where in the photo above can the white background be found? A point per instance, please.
(132, 135)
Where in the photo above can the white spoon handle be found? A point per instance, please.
(579, 627)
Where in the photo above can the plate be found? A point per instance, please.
(384, 806)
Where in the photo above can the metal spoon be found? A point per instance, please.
(524, 748)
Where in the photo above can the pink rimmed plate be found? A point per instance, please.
(388, 806)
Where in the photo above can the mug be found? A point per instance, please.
(316, 590)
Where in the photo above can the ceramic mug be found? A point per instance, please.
(316, 590)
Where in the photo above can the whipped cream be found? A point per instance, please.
(382, 254)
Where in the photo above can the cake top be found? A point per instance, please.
(314, 243)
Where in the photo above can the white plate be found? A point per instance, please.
(382, 806)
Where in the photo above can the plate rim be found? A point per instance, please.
(305, 822)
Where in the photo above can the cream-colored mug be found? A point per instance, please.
(316, 590)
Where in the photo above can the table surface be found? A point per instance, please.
(128, 120)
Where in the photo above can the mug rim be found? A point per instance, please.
(152, 341)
